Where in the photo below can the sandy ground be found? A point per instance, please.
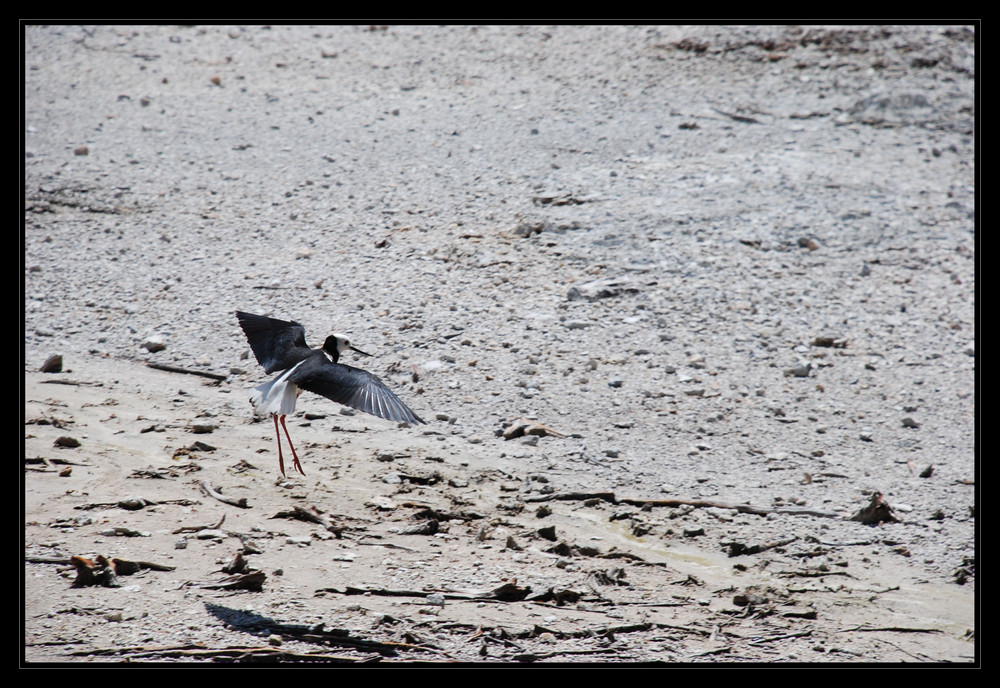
(732, 271)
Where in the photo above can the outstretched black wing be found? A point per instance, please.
(277, 344)
(353, 387)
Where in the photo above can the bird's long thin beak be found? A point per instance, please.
(359, 351)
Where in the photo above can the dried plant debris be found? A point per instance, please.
(599, 581)
(877, 511)
(164, 472)
(738, 548)
(193, 448)
(428, 527)
(216, 493)
(312, 515)
(252, 581)
(133, 503)
(524, 426)
(104, 572)
(966, 571)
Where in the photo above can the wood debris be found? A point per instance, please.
(877, 511)
(104, 572)
(253, 581)
(241, 502)
(523, 426)
(312, 515)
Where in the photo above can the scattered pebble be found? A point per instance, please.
(53, 364)
(154, 343)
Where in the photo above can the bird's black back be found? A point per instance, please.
(277, 344)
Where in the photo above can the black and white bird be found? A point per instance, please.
(280, 345)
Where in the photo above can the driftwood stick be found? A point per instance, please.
(567, 496)
(237, 653)
(893, 629)
(312, 515)
(187, 371)
(704, 503)
(244, 581)
(195, 529)
(507, 592)
(74, 383)
(738, 548)
(212, 492)
(780, 636)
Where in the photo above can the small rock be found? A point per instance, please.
(749, 598)
(133, 503)
(154, 343)
(211, 534)
(53, 364)
(548, 532)
(830, 341)
(526, 228)
(799, 371)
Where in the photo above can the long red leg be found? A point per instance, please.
(281, 460)
(298, 466)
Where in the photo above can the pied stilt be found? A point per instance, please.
(280, 345)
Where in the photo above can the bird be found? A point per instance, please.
(280, 346)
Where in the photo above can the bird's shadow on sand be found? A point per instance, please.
(241, 620)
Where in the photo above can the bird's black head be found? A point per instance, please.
(337, 344)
